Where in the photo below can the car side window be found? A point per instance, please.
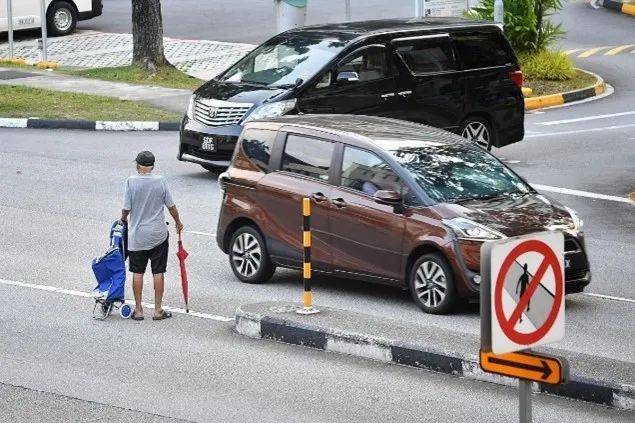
(365, 172)
(257, 145)
(426, 54)
(307, 156)
(483, 50)
(369, 64)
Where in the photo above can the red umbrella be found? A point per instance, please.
(182, 255)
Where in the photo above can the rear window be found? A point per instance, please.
(257, 145)
(308, 156)
(483, 50)
(427, 54)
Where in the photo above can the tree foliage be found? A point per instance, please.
(527, 24)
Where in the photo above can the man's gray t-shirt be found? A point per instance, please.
(145, 196)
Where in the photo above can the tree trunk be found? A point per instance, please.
(147, 34)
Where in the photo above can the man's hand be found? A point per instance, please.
(179, 227)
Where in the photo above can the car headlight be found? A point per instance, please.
(577, 222)
(190, 107)
(277, 108)
(470, 230)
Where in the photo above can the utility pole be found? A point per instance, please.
(347, 5)
(10, 28)
(290, 14)
(499, 12)
(44, 34)
(420, 8)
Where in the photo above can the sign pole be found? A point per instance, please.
(524, 401)
(347, 6)
(43, 23)
(10, 27)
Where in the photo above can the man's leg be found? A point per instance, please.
(159, 283)
(137, 288)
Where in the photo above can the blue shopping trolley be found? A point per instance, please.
(110, 272)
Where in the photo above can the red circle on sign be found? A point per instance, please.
(552, 261)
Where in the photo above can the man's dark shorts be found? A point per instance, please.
(158, 256)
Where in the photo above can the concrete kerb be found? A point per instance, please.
(89, 125)
(278, 321)
(619, 6)
(550, 100)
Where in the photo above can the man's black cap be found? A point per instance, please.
(145, 158)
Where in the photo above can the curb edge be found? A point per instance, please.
(88, 125)
(558, 99)
(618, 6)
(278, 329)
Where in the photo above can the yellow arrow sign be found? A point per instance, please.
(529, 366)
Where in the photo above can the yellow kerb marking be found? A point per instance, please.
(306, 238)
(617, 49)
(599, 89)
(307, 270)
(308, 300)
(306, 207)
(629, 9)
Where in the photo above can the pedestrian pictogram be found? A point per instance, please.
(529, 366)
(527, 292)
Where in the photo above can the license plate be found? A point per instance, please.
(208, 144)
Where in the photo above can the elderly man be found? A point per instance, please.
(145, 197)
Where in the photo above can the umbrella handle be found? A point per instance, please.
(179, 234)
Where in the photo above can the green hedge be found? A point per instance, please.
(547, 65)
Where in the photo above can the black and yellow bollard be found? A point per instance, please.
(306, 265)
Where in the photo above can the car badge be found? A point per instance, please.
(213, 111)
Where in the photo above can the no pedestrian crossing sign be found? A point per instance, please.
(526, 292)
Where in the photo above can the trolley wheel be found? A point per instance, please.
(125, 311)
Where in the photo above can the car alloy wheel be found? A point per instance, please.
(477, 132)
(62, 19)
(430, 284)
(246, 254)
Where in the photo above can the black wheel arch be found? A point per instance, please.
(234, 225)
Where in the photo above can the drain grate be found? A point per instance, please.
(12, 74)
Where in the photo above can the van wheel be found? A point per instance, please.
(479, 131)
(61, 18)
(248, 256)
(432, 284)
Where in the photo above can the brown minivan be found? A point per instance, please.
(392, 202)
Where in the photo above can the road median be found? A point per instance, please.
(594, 379)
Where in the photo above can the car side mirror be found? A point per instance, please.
(387, 197)
(347, 76)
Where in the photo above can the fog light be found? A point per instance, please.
(477, 279)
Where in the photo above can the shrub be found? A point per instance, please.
(549, 65)
(527, 24)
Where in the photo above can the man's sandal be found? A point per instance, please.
(164, 315)
(135, 317)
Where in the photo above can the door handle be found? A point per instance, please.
(405, 93)
(387, 96)
(339, 203)
(318, 197)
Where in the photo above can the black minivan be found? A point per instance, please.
(451, 73)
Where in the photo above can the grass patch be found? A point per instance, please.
(46, 104)
(542, 86)
(166, 76)
(549, 65)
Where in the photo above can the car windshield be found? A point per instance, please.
(455, 172)
(284, 59)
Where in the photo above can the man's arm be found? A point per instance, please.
(177, 219)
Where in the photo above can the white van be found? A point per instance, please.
(61, 15)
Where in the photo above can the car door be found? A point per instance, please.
(361, 83)
(302, 168)
(433, 93)
(367, 236)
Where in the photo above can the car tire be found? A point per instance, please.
(432, 284)
(61, 18)
(248, 256)
(477, 130)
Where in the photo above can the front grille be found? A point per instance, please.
(575, 274)
(571, 245)
(212, 112)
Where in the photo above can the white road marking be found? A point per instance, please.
(559, 122)
(202, 233)
(609, 297)
(582, 193)
(83, 294)
(579, 131)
